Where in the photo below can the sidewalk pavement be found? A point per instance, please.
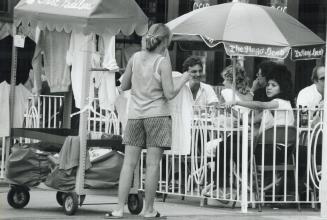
(43, 205)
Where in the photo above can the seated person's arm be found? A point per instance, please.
(256, 104)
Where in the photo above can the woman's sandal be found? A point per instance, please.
(157, 216)
(109, 215)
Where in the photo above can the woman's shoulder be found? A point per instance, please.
(283, 104)
(228, 94)
(138, 54)
(226, 91)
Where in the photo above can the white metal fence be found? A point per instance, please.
(232, 159)
(102, 120)
(240, 163)
(42, 112)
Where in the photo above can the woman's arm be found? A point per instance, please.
(126, 83)
(170, 90)
(257, 104)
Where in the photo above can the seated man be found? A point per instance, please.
(312, 95)
(202, 93)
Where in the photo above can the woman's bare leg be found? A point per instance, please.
(153, 158)
(132, 155)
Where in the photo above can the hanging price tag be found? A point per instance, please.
(19, 41)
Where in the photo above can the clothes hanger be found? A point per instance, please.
(90, 108)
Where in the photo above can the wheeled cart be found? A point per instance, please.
(18, 196)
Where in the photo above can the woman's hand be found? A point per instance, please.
(230, 104)
(255, 85)
(187, 76)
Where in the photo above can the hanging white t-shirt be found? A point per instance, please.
(76, 58)
(53, 46)
(107, 91)
(109, 59)
(21, 101)
(105, 82)
(181, 109)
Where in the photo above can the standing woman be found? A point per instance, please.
(149, 76)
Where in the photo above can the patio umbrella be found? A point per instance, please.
(248, 30)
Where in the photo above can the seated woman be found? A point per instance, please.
(279, 93)
(242, 92)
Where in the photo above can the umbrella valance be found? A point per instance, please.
(248, 30)
(88, 16)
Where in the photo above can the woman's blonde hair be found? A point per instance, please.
(156, 34)
(242, 82)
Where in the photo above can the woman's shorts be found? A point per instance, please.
(149, 132)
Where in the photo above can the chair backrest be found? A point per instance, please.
(285, 136)
(281, 132)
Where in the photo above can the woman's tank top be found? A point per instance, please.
(147, 97)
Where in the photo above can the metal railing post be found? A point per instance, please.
(323, 183)
(3, 152)
(245, 143)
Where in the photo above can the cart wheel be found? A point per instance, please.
(135, 203)
(60, 197)
(70, 203)
(18, 197)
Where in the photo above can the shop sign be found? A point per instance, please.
(279, 5)
(239, 49)
(68, 4)
(302, 53)
(200, 4)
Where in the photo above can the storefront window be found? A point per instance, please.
(4, 6)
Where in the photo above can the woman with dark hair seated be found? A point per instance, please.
(280, 97)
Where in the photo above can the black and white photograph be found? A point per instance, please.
(163, 109)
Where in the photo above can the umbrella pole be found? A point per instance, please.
(234, 60)
(80, 178)
(244, 190)
(12, 91)
(323, 183)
